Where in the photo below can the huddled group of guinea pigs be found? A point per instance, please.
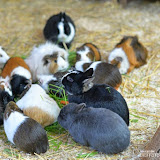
(97, 114)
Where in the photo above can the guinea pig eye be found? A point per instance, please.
(0, 55)
(55, 61)
(69, 79)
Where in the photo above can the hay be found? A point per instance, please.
(104, 24)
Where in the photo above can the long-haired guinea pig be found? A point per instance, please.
(5, 98)
(98, 128)
(3, 57)
(52, 83)
(60, 29)
(88, 52)
(37, 105)
(104, 73)
(19, 74)
(47, 58)
(80, 89)
(128, 54)
(24, 132)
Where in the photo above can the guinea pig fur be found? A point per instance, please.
(88, 52)
(104, 73)
(27, 134)
(5, 98)
(60, 29)
(128, 54)
(3, 57)
(80, 89)
(98, 128)
(37, 105)
(47, 58)
(19, 75)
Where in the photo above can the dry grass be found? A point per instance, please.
(104, 24)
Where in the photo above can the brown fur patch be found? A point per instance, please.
(39, 115)
(95, 50)
(53, 67)
(116, 63)
(11, 64)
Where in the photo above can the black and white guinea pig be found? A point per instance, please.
(60, 29)
(19, 75)
(88, 52)
(38, 105)
(3, 57)
(47, 58)
(104, 73)
(80, 89)
(98, 128)
(128, 54)
(27, 134)
(52, 83)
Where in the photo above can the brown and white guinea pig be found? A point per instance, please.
(19, 75)
(128, 54)
(3, 57)
(27, 134)
(88, 52)
(104, 73)
(52, 83)
(37, 105)
(47, 58)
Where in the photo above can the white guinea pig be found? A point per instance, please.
(3, 57)
(47, 58)
(37, 105)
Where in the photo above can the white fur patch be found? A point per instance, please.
(12, 124)
(83, 54)
(22, 72)
(79, 65)
(3, 57)
(62, 64)
(72, 34)
(37, 97)
(119, 52)
(94, 65)
(35, 60)
(44, 80)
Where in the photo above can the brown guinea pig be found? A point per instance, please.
(88, 52)
(104, 73)
(19, 75)
(24, 132)
(128, 54)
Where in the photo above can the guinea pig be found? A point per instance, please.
(88, 52)
(3, 57)
(27, 134)
(60, 29)
(104, 73)
(52, 83)
(47, 58)
(37, 105)
(98, 128)
(80, 89)
(19, 75)
(128, 54)
(5, 98)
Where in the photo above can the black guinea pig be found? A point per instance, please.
(60, 29)
(98, 128)
(80, 89)
(24, 132)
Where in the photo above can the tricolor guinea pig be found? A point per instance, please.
(19, 75)
(128, 54)
(88, 52)
(52, 83)
(60, 29)
(3, 57)
(98, 128)
(27, 134)
(47, 58)
(37, 105)
(80, 88)
(104, 73)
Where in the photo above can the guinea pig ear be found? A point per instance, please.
(80, 107)
(87, 84)
(88, 73)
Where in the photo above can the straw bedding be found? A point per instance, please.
(103, 23)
